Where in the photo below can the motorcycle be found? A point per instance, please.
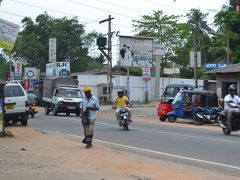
(234, 124)
(32, 109)
(206, 116)
(123, 113)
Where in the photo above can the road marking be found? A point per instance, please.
(162, 153)
(175, 134)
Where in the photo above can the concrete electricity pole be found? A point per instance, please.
(109, 57)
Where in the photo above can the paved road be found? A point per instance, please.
(197, 146)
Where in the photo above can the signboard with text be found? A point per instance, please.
(158, 49)
(8, 34)
(193, 60)
(58, 69)
(146, 73)
(171, 70)
(216, 65)
(52, 49)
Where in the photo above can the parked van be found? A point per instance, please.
(16, 104)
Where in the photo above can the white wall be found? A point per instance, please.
(136, 85)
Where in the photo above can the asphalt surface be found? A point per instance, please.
(205, 148)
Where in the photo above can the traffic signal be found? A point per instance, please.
(101, 41)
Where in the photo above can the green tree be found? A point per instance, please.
(165, 30)
(228, 37)
(32, 43)
(200, 34)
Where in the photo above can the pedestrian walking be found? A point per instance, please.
(90, 105)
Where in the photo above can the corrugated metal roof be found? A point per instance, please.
(235, 68)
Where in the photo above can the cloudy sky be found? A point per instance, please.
(90, 12)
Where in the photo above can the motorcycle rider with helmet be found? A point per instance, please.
(121, 101)
(231, 103)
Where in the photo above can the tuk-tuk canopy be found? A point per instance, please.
(201, 98)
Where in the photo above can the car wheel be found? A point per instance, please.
(24, 120)
(172, 118)
(77, 113)
(162, 118)
(67, 113)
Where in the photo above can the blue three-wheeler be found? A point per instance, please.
(186, 103)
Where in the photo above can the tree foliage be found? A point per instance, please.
(32, 44)
(165, 30)
(228, 23)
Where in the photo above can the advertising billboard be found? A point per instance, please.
(8, 34)
(31, 73)
(135, 51)
(58, 69)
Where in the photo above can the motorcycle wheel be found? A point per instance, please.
(32, 114)
(197, 121)
(227, 130)
(125, 125)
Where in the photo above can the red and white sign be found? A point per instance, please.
(27, 84)
(18, 68)
(146, 73)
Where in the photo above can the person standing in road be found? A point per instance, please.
(90, 105)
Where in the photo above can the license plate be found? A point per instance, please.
(9, 106)
(71, 107)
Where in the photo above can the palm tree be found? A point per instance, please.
(223, 20)
(198, 23)
(200, 30)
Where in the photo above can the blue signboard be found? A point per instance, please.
(216, 65)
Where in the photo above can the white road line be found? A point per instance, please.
(175, 134)
(164, 154)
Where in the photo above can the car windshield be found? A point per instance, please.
(71, 93)
(13, 91)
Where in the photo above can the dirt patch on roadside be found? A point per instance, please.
(32, 154)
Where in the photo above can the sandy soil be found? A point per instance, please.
(32, 154)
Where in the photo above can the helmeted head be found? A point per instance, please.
(232, 89)
(87, 91)
(120, 93)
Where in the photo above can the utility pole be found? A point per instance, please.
(109, 57)
(195, 60)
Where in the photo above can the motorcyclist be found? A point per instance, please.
(231, 103)
(121, 101)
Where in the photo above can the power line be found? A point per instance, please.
(14, 14)
(164, 5)
(100, 9)
(121, 6)
(56, 11)
(59, 12)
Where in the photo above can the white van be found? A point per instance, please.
(16, 104)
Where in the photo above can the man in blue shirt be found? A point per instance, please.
(90, 105)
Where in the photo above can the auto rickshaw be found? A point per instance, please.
(186, 103)
(165, 105)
